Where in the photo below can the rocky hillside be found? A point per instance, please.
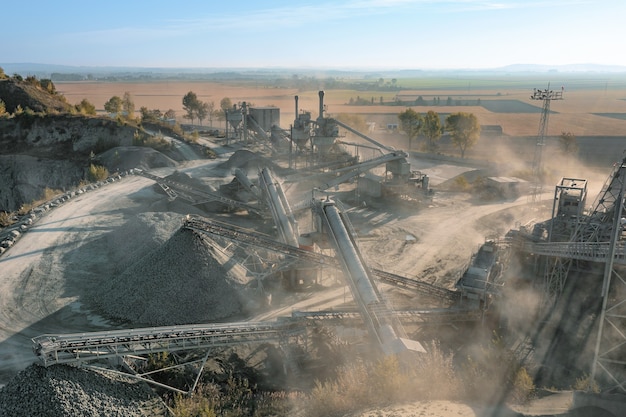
(52, 151)
(30, 95)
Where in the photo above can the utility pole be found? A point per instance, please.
(546, 96)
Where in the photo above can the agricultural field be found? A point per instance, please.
(593, 105)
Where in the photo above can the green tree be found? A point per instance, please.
(432, 129)
(190, 105)
(48, 85)
(128, 106)
(464, 130)
(150, 116)
(568, 143)
(411, 123)
(114, 105)
(85, 107)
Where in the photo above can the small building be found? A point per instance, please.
(508, 186)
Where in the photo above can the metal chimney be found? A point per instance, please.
(321, 93)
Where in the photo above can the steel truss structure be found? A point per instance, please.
(128, 346)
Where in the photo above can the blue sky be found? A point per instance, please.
(350, 34)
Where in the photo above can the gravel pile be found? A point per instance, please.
(139, 236)
(249, 162)
(183, 281)
(67, 391)
(126, 157)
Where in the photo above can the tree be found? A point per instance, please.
(150, 116)
(210, 106)
(128, 105)
(170, 114)
(202, 111)
(568, 143)
(411, 124)
(190, 105)
(219, 115)
(226, 104)
(114, 105)
(85, 107)
(432, 129)
(48, 85)
(464, 130)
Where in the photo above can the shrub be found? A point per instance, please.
(585, 383)
(6, 218)
(97, 173)
(523, 387)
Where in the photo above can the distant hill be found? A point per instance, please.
(30, 94)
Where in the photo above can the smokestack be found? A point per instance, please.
(296, 116)
(321, 93)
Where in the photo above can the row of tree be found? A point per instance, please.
(200, 110)
(463, 127)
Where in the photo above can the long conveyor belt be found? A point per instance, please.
(87, 347)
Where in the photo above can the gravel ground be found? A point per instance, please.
(60, 391)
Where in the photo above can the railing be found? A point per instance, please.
(87, 347)
(588, 251)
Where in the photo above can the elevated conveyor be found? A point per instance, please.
(80, 348)
(379, 320)
(279, 207)
(250, 237)
(195, 196)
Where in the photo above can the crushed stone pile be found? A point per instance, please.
(64, 391)
(249, 162)
(126, 157)
(140, 235)
(183, 281)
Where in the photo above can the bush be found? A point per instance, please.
(97, 173)
(585, 383)
(428, 376)
(6, 218)
(523, 387)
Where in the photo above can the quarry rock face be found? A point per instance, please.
(51, 152)
(58, 134)
(23, 178)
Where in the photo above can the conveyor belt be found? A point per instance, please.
(250, 237)
(87, 347)
(430, 316)
(195, 196)
(587, 251)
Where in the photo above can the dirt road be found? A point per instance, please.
(35, 295)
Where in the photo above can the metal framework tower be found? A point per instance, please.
(546, 96)
(610, 349)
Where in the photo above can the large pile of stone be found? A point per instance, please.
(64, 391)
(183, 281)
